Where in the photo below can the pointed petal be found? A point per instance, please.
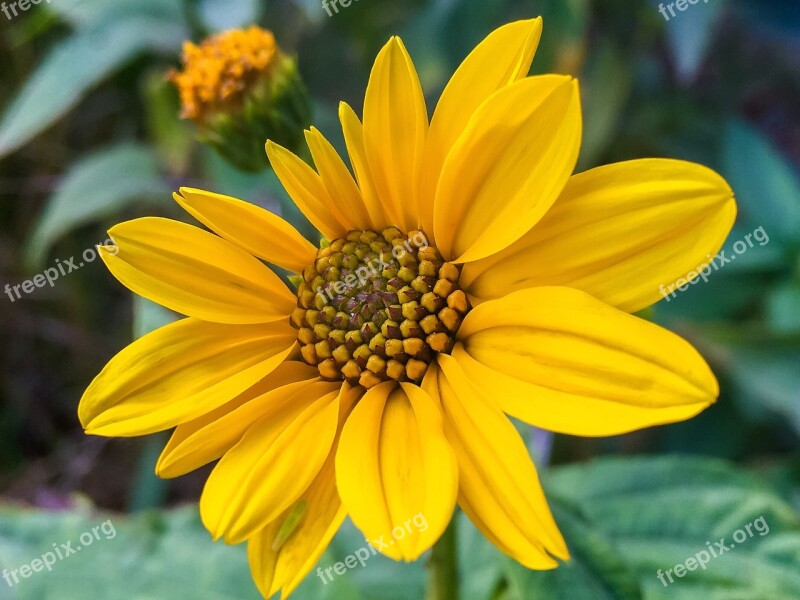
(498, 485)
(395, 125)
(338, 180)
(507, 167)
(263, 559)
(322, 515)
(269, 469)
(306, 189)
(195, 273)
(180, 372)
(250, 227)
(561, 360)
(283, 568)
(354, 139)
(208, 437)
(622, 233)
(502, 58)
(358, 474)
(393, 464)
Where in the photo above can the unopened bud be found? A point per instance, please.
(241, 90)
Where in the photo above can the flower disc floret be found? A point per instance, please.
(378, 307)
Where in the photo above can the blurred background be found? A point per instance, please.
(90, 134)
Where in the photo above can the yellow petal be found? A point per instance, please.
(306, 189)
(395, 125)
(622, 233)
(561, 360)
(262, 558)
(498, 485)
(180, 372)
(507, 167)
(285, 567)
(269, 469)
(502, 58)
(394, 465)
(195, 273)
(250, 227)
(208, 437)
(358, 474)
(322, 515)
(338, 181)
(354, 140)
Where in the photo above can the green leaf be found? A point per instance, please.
(765, 184)
(342, 588)
(595, 571)
(84, 14)
(381, 578)
(783, 309)
(98, 185)
(766, 375)
(725, 295)
(157, 556)
(163, 555)
(785, 476)
(480, 564)
(659, 512)
(73, 67)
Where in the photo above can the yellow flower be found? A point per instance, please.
(222, 67)
(240, 89)
(468, 276)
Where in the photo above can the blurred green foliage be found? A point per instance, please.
(623, 519)
(90, 135)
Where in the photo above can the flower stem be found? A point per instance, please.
(443, 566)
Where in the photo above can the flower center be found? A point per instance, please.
(378, 307)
